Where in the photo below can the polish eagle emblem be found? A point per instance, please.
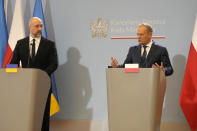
(99, 28)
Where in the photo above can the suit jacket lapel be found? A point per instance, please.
(151, 53)
(26, 47)
(138, 57)
(39, 47)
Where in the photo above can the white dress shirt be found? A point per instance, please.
(147, 48)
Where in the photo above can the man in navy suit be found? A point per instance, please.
(148, 54)
(36, 51)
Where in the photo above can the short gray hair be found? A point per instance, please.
(148, 27)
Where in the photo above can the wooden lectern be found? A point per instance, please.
(23, 97)
(135, 100)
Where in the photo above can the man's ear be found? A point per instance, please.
(150, 34)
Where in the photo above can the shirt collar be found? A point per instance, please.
(31, 39)
(149, 44)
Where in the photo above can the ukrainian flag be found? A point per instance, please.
(11, 68)
(54, 107)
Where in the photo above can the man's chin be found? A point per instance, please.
(142, 43)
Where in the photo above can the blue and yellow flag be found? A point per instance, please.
(11, 68)
(54, 107)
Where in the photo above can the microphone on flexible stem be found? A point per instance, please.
(29, 57)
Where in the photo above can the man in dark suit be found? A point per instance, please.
(35, 51)
(148, 54)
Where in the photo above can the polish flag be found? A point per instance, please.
(17, 31)
(188, 97)
(131, 68)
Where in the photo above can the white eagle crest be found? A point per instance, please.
(98, 28)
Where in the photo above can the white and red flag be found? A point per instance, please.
(188, 97)
(17, 31)
(131, 68)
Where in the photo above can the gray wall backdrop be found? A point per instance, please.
(81, 79)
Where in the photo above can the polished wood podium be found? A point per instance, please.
(23, 97)
(135, 100)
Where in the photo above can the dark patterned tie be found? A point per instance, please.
(143, 58)
(33, 50)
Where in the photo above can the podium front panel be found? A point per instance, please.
(133, 99)
(23, 98)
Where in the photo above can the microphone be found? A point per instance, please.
(29, 57)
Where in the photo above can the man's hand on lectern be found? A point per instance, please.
(161, 67)
(114, 62)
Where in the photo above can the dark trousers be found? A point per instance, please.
(46, 118)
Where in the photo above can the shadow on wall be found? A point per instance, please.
(73, 81)
(172, 111)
